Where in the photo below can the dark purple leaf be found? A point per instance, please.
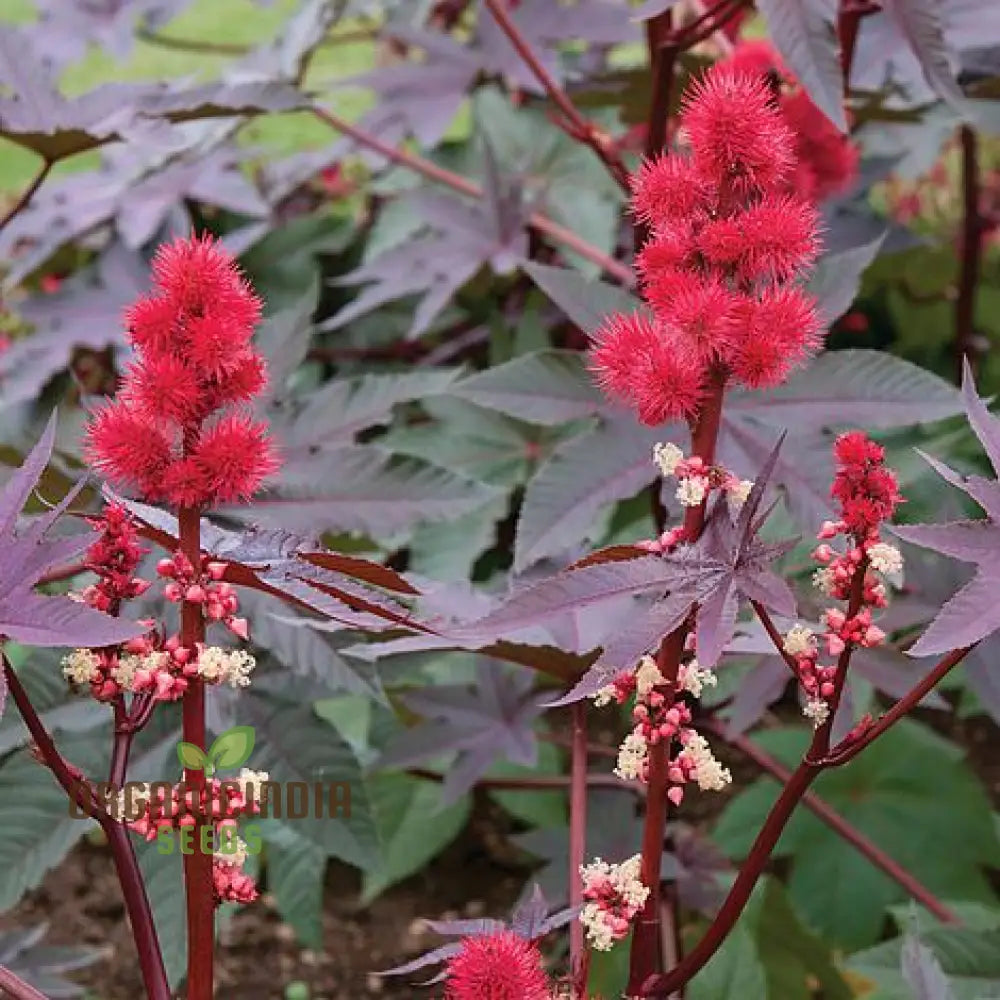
(973, 612)
(923, 973)
(41, 965)
(737, 547)
(458, 238)
(529, 920)
(85, 312)
(922, 24)
(546, 387)
(25, 557)
(805, 33)
(763, 685)
(35, 115)
(494, 721)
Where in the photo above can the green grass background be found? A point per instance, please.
(231, 22)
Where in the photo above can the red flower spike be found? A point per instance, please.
(671, 249)
(738, 139)
(635, 360)
(500, 966)
(234, 457)
(192, 336)
(828, 160)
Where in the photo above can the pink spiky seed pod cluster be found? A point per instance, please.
(728, 242)
(826, 161)
(178, 430)
(500, 966)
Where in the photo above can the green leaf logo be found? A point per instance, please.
(191, 757)
(232, 748)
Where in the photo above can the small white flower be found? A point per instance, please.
(226, 666)
(250, 782)
(823, 581)
(605, 695)
(81, 666)
(632, 757)
(693, 679)
(647, 676)
(739, 492)
(691, 490)
(817, 710)
(232, 852)
(709, 774)
(799, 641)
(667, 456)
(125, 670)
(885, 558)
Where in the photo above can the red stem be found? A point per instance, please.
(848, 25)
(852, 746)
(663, 51)
(197, 865)
(739, 894)
(536, 782)
(63, 573)
(12, 985)
(817, 759)
(26, 195)
(578, 844)
(965, 303)
(644, 959)
(916, 889)
(576, 124)
(127, 868)
(540, 223)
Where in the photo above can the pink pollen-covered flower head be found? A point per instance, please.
(167, 434)
(500, 966)
(738, 138)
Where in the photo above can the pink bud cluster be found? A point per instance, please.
(868, 494)
(217, 597)
(114, 558)
(659, 717)
(218, 803)
(728, 241)
(614, 895)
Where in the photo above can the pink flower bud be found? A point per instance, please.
(675, 794)
(239, 628)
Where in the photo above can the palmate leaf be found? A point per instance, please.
(84, 313)
(23, 952)
(805, 34)
(493, 720)
(290, 566)
(747, 575)
(26, 556)
(923, 973)
(530, 919)
(35, 115)
(973, 612)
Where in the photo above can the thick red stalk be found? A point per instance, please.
(644, 959)
(578, 843)
(197, 865)
(576, 124)
(662, 55)
(14, 986)
(540, 223)
(972, 241)
(739, 894)
(127, 868)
